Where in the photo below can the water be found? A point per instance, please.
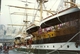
(20, 52)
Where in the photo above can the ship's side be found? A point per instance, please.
(60, 32)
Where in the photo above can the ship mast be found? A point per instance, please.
(25, 21)
(41, 10)
(41, 2)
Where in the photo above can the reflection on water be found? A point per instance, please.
(43, 52)
(57, 52)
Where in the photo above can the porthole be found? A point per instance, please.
(41, 46)
(47, 46)
(76, 45)
(61, 46)
(53, 46)
(67, 46)
(37, 46)
(44, 46)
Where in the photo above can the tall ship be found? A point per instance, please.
(57, 32)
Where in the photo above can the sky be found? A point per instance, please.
(7, 18)
(5, 11)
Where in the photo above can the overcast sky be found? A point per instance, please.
(6, 18)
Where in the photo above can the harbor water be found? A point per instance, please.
(21, 52)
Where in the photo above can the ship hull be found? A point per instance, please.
(71, 46)
(65, 47)
(66, 38)
(68, 47)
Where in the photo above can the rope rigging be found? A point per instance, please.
(35, 15)
(53, 4)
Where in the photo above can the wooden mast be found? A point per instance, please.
(41, 2)
(41, 10)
